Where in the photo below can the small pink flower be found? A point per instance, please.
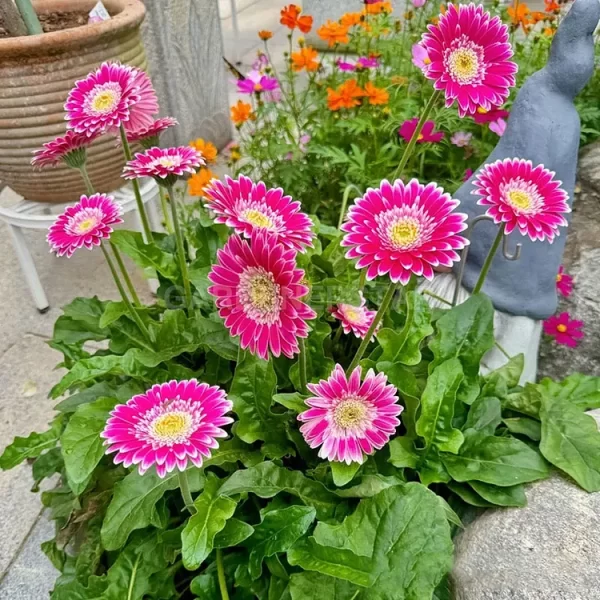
(418, 3)
(69, 148)
(151, 133)
(461, 139)
(347, 419)
(470, 57)
(168, 426)
(141, 112)
(368, 62)
(523, 196)
(256, 83)
(164, 164)
(564, 283)
(564, 330)
(482, 116)
(404, 229)
(102, 100)
(257, 289)
(84, 225)
(498, 126)
(247, 206)
(427, 133)
(303, 142)
(261, 61)
(420, 58)
(468, 174)
(355, 319)
(345, 66)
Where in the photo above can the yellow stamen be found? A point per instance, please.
(464, 65)
(263, 293)
(353, 315)
(169, 425)
(103, 101)
(349, 413)
(86, 225)
(481, 110)
(258, 219)
(427, 60)
(562, 328)
(519, 199)
(404, 233)
(559, 278)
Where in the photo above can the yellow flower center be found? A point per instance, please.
(404, 233)
(519, 199)
(86, 225)
(349, 413)
(353, 315)
(171, 427)
(104, 101)
(559, 278)
(481, 110)
(263, 292)
(464, 65)
(165, 161)
(420, 137)
(258, 219)
(562, 328)
(427, 60)
(258, 87)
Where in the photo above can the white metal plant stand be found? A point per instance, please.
(36, 215)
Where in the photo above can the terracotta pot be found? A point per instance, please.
(36, 75)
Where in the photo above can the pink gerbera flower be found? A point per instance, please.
(102, 100)
(257, 289)
(420, 58)
(564, 282)
(256, 83)
(564, 330)
(246, 206)
(482, 116)
(523, 197)
(348, 419)
(355, 319)
(164, 164)
(85, 224)
(427, 133)
(470, 58)
(141, 112)
(69, 148)
(149, 136)
(404, 229)
(167, 426)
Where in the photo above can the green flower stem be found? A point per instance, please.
(125, 274)
(30, 17)
(338, 335)
(362, 279)
(488, 260)
(385, 304)
(180, 249)
(436, 297)
(165, 209)
(408, 151)
(136, 189)
(184, 486)
(302, 365)
(345, 197)
(221, 575)
(132, 311)
(89, 186)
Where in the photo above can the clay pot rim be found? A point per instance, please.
(126, 15)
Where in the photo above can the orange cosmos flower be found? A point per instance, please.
(351, 19)
(198, 182)
(333, 33)
(306, 58)
(552, 6)
(378, 8)
(549, 31)
(537, 16)
(265, 34)
(290, 17)
(241, 112)
(208, 150)
(346, 96)
(376, 95)
(521, 15)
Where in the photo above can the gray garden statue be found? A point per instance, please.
(543, 127)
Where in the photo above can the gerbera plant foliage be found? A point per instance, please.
(289, 419)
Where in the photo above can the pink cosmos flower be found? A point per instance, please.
(482, 116)
(420, 58)
(164, 164)
(257, 290)
(345, 66)
(564, 330)
(167, 426)
(141, 112)
(427, 133)
(84, 224)
(151, 133)
(256, 82)
(564, 282)
(468, 174)
(498, 126)
(69, 148)
(404, 229)
(246, 206)
(348, 419)
(470, 58)
(355, 319)
(368, 62)
(418, 3)
(303, 142)
(523, 197)
(261, 61)
(461, 139)
(102, 100)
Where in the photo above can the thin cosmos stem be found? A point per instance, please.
(408, 151)
(221, 575)
(136, 189)
(488, 260)
(165, 209)
(385, 304)
(126, 277)
(184, 486)
(302, 365)
(180, 250)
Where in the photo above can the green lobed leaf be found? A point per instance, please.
(504, 378)
(277, 532)
(318, 366)
(98, 390)
(233, 451)
(437, 408)
(310, 584)
(524, 426)
(496, 460)
(403, 453)
(233, 534)
(342, 473)
(527, 401)
(484, 415)
(571, 441)
(469, 495)
(581, 390)
(294, 401)
(404, 346)
(368, 486)
(465, 332)
(46, 465)
(212, 512)
(500, 496)
(267, 480)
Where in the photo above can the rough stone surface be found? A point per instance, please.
(184, 47)
(549, 550)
